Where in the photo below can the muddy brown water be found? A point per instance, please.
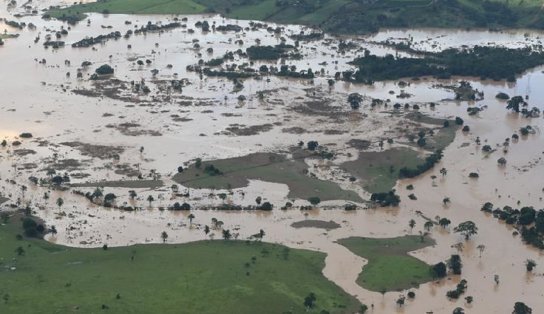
(34, 100)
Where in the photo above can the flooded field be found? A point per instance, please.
(108, 133)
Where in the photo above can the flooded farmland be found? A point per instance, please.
(129, 132)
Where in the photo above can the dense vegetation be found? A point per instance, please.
(529, 222)
(339, 16)
(495, 63)
(218, 276)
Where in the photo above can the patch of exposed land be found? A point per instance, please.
(379, 171)
(390, 267)
(236, 172)
(236, 273)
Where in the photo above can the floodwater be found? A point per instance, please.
(38, 98)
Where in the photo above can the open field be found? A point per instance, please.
(344, 16)
(389, 266)
(379, 171)
(200, 277)
(266, 167)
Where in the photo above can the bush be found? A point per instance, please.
(314, 200)
(266, 206)
(104, 70)
(385, 198)
(502, 96)
(439, 270)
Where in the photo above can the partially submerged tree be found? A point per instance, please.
(467, 229)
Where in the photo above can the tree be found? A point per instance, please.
(354, 100)
(444, 222)
(314, 200)
(226, 234)
(530, 264)
(467, 229)
(267, 206)
(97, 193)
(312, 145)
(191, 217)
(150, 199)
(20, 251)
(104, 70)
(60, 202)
(206, 229)
(164, 236)
(443, 171)
(412, 224)
(481, 248)
(400, 300)
(109, 198)
(309, 301)
(261, 234)
(458, 310)
(521, 308)
(455, 264)
(23, 190)
(439, 270)
(132, 194)
(57, 180)
(514, 102)
(428, 225)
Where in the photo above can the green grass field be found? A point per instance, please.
(389, 266)
(340, 16)
(201, 277)
(379, 171)
(266, 167)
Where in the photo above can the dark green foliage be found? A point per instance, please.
(32, 228)
(502, 96)
(459, 290)
(309, 301)
(455, 264)
(521, 308)
(514, 103)
(430, 161)
(385, 198)
(314, 200)
(212, 170)
(265, 52)
(486, 62)
(439, 270)
(266, 206)
(312, 145)
(487, 207)
(104, 70)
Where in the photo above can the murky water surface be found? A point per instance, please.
(38, 98)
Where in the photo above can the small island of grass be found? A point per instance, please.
(390, 267)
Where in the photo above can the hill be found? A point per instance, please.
(338, 16)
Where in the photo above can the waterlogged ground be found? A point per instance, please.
(95, 133)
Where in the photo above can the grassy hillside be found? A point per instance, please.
(202, 277)
(340, 16)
